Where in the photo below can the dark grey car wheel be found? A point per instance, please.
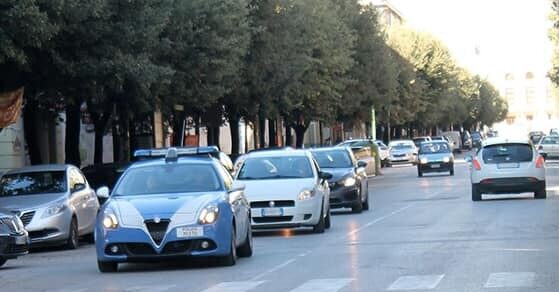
(73, 241)
(3, 261)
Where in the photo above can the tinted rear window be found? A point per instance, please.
(507, 153)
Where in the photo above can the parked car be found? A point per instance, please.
(286, 189)
(366, 150)
(554, 132)
(466, 141)
(402, 152)
(384, 152)
(548, 147)
(455, 140)
(507, 166)
(477, 139)
(54, 202)
(349, 187)
(435, 156)
(14, 239)
(418, 140)
(171, 208)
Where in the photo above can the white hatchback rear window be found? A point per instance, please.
(507, 153)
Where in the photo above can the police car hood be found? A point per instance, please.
(183, 208)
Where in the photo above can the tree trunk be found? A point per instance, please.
(234, 128)
(256, 133)
(72, 143)
(320, 134)
(125, 150)
(30, 133)
(300, 135)
(272, 134)
(133, 138)
(262, 129)
(288, 136)
(100, 124)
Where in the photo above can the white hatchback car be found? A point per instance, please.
(504, 166)
(548, 146)
(285, 189)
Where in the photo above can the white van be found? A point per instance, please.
(455, 140)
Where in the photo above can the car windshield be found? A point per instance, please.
(333, 159)
(33, 183)
(430, 148)
(169, 178)
(283, 167)
(507, 153)
(356, 143)
(550, 140)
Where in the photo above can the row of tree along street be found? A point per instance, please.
(223, 60)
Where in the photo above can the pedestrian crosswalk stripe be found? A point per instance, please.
(323, 285)
(240, 286)
(423, 282)
(510, 280)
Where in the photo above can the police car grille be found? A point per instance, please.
(157, 230)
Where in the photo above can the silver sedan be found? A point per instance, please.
(54, 202)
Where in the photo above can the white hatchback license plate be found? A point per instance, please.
(267, 212)
(21, 240)
(187, 232)
(435, 165)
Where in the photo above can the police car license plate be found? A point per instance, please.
(271, 212)
(187, 232)
(435, 165)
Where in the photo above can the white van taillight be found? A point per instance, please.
(476, 164)
(540, 162)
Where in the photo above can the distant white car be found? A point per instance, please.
(402, 152)
(549, 146)
(285, 189)
(507, 166)
(384, 152)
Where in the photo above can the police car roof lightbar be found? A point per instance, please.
(174, 153)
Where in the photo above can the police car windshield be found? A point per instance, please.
(169, 178)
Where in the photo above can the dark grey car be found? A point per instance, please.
(54, 202)
(349, 187)
(14, 240)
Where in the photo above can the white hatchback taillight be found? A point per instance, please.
(540, 162)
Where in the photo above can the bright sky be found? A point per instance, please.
(510, 34)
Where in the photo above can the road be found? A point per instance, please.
(422, 234)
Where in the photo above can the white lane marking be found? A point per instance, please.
(424, 282)
(240, 286)
(149, 288)
(323, 285)
(272, 270)
(376, 221)
(511, 280)
(515, 249)
(70, 290)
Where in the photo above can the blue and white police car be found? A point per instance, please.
(180, 205)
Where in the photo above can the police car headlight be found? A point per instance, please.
(350, 181)
(305, 195)
(110, 221)
(423, 160)
(446, 159)
(208, 215)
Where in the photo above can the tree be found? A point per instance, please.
(207, 42)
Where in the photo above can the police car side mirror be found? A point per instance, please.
(103, 192)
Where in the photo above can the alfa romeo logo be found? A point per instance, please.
(272, 204)
(157, 219)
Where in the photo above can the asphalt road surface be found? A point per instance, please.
(422, 234)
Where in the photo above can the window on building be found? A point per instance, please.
(530, 117)
(510, 120)
(509, 93)
(509, 76)
(529, 75)
(549, 116)
(530, 95)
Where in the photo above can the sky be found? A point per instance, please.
(510, 34)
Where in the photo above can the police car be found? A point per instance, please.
(180, 205)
